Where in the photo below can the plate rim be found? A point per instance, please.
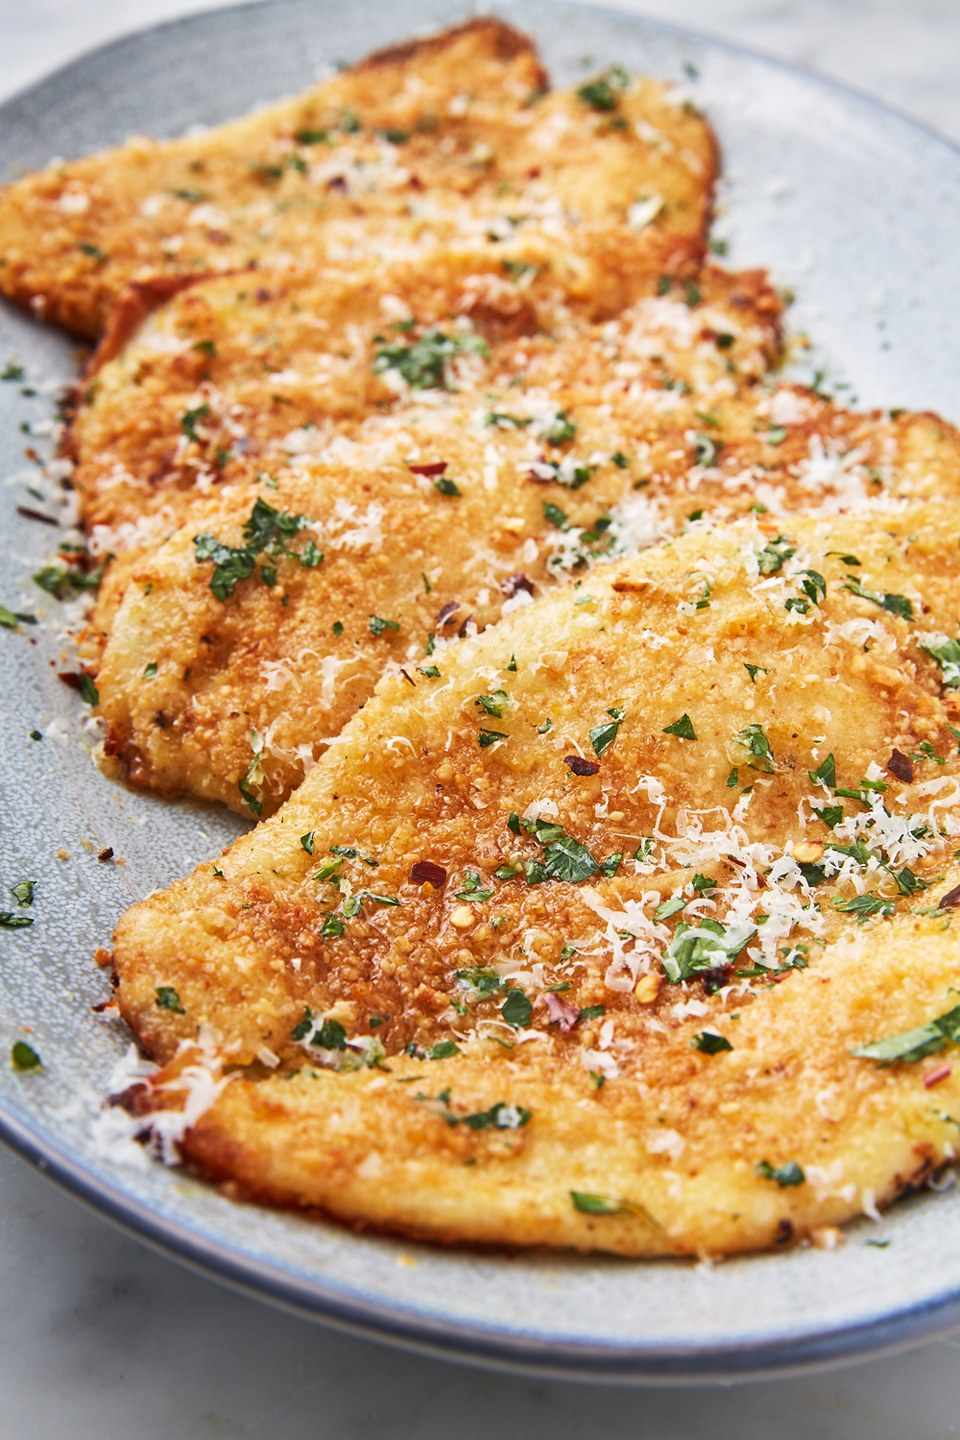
(447, 1339)
(317, 1298)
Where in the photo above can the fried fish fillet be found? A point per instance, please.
(611, 934)
(443, 520)
(447, 136)
(230, 373)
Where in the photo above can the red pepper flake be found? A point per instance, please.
(425, 872)
(561, 1012)
(106, 854)
(579, 766)
(950, 901)
(71, 678)
(448, 611)
(436, 467)
(934, 1076)
(513, 583)
(30, 514)
(901, 766)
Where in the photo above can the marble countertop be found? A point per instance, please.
(101, 1338)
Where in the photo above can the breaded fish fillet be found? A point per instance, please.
(231, 375)
(449, 136)
(439, 522)
(612, 933)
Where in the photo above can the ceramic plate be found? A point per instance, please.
(853, 208)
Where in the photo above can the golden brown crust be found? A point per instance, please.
(266, 361)
(320, 175)
(673, 1140)
(502, 40)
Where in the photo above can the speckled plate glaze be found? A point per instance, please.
(854, 208)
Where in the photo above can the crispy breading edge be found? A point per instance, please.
(521, 1216)
(509, 44)
(538, 1210)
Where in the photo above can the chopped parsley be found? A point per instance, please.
(559, 430)
(602, 736)
(516, 1009)
(602, 94)
(168, 999)
(682, 728)
(24, 1057)
(787, 1174)
(486, 738)
(500, 1116)
(589, 1204)
(378, 625)
(307, 841)
(10, 619)
(754, 670)
(895, 604)
(564, 858)
(253, 776)
(423, 363)
(751, 747)
(58, 581)
(913, 1045)
(472, 889)
(825, 774)
(443, 1051)
(865, 906)
(330, 1036)
(22, 892)
(598, 1204)
(188, 421)
(482, 983)
(9, 920)
(777, 552)
(695, 949)
(814, 586)
(265, 533)
(555, 515)
(447, 487)
(947, 656)
(89, 693)
(495, 703)
(706, 452)
(149, 671)
(670, 907)
(708, 1042)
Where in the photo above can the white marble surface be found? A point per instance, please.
(101, 1339)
